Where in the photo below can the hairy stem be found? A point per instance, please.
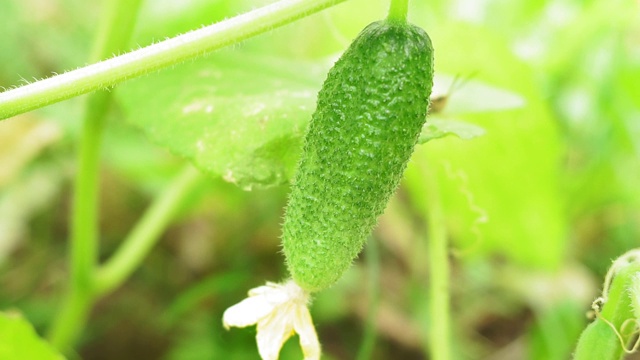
(113, 35)
(110, 72)
(607, 337)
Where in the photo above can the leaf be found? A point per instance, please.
(437, 128)
(466, 94)
(18, 340)
(237, 115)
(501, 192)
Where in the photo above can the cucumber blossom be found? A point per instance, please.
(369, 114)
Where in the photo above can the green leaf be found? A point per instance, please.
(18, 340)
(466, 94)
(437, 128)
(501, 192)
(236, 115)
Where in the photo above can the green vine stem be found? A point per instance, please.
(146, 232)
(439, 311)
(424, 190)
(110, 72)
(113, 35)
(398, 10)
(608, 336)
(83, 240)
(373, 265)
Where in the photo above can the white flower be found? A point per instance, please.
(279, 310)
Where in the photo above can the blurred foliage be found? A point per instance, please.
(537, 206)
(20, 341)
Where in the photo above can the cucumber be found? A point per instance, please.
(369, 114)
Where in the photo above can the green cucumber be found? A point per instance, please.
(369, 114)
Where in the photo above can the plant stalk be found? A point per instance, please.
(83, 248)
(398, 10)
(440, 330)
(373, 265)
(146, 232)
(106, 74)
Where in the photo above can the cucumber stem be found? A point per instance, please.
(398, 10)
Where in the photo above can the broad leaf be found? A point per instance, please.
(234, 115)
(18, 340)
(437, 128)
(242, 116)
(500, 192)
(467, 94)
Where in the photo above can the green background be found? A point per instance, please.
(536, 207)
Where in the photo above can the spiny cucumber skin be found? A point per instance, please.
(369, 114)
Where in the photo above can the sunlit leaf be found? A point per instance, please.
(501, 192)
(18, 340)
(235, 115)
(465, 94)
(437, 128)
